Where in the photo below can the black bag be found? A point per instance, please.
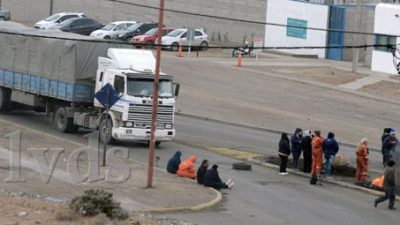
(313, 180)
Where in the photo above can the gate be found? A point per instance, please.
(336, 21)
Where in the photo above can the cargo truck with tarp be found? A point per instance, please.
(60, 73)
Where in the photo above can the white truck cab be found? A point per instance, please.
(131, 73)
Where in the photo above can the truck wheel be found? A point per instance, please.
(158, 143)
(105, 130)
(5, 99)
(241, 166)
(62, 122)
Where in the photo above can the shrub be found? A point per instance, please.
(96, 201)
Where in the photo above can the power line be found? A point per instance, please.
(392, 47)
(240, 20)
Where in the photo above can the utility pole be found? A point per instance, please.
(150, 167)
(356, 38)
(51, 7)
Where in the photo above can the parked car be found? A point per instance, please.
(172, 40)
(137, 29)
(4, 14)
(149, 38)
(84, 26)
(111, 30)
(54, 21)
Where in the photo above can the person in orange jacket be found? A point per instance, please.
(362, 160)
(317, 154)
(187, 168)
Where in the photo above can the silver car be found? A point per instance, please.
(173, 39)
(4, 14)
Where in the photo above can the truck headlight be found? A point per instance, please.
(128, 124)
(168, 126)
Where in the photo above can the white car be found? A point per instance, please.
(112, 30)
(52, 22)
(173, 39)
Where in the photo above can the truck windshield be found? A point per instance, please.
(144, 87)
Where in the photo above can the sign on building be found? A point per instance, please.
(294, 28)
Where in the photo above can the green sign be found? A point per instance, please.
(294, 28)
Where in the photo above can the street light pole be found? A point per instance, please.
(51, 7)
(150, 167)
(356, 38)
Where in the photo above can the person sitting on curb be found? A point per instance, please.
(330, 148)
(201, 171)
(362, 160)
(173, 162)
(212, 179)
(187, 168)
(389, 185)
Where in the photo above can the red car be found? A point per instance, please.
(148, 39)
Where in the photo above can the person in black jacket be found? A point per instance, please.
(296, 147)
(173, 162)
(389, 185)
(201, 171)
(386, 133)
(307, 151)
(284, 152)
(389, 145)
(212, 179)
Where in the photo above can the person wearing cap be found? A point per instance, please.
(362, 160)
(330, 148)
(389, 146)
(317, 154)
(212, 179)
(307, 151)
(296, 147)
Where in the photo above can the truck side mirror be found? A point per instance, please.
(176, 88)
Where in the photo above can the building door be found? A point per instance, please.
(335, 39)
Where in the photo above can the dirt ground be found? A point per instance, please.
(32, 211)
(325, 75)
(387, 89)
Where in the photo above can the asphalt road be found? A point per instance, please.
(259, 196)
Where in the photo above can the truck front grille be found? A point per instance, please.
(140, 115)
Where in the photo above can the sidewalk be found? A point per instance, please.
(170, 193)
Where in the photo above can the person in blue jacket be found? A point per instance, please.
(330, 148)
(296, 147)
(173, 162)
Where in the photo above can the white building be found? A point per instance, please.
(387, 24)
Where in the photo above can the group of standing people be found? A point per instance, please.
(206, 176)
(313, 147)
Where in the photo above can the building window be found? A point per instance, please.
(386, 40)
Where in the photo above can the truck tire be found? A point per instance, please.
(105, 130)
(241, 166)
(62, 123)
(5, 99)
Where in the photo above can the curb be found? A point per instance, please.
(196, 208)
(255, 128)
(338, 183)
